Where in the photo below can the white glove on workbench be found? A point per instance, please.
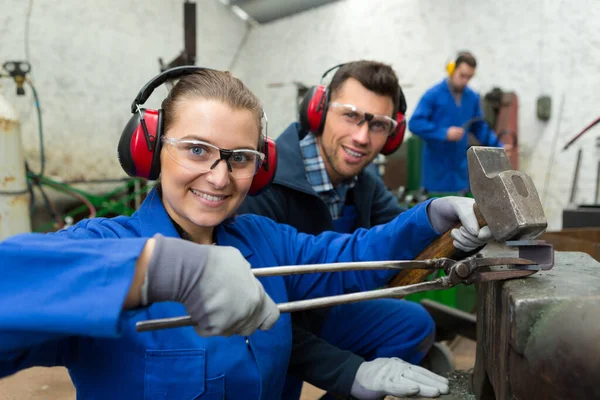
(214, 283)
(446, 212)
(394, 377)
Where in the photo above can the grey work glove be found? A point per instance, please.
(446, 212)
(214, 283)
(395, 377)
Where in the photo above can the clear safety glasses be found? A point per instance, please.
(201, 157)
(378, 124)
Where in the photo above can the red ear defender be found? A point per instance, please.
(139, 145)
(141, 139)
(312, 108)
(266, 172)
(394, 142)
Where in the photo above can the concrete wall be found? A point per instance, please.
(89, 60)
(530, 47)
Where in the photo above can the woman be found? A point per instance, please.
(73, 297)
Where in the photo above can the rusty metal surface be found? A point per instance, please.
(575, 241)
(538, 338)
(507, 199)
(14, 195)
(591, 234)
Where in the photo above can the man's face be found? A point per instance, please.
(461, 76)
(346, 145)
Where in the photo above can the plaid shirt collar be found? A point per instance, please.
(316, 174)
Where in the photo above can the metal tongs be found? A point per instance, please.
(539, 256)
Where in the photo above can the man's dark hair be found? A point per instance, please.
(465, 57)
(375, 76)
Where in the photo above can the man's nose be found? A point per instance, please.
(361, 134)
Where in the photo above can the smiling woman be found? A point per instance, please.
(200, 191)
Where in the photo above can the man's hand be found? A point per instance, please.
(214, 283)
(446, 212)
(392, 376)
(455, 133)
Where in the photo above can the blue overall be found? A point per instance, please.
(378, 328)
(444, 163)
(62, 297)
(346, 223)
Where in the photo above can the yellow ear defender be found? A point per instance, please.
(450, 67)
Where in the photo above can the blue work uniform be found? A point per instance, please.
(62, 297)
(444, 163)
(330, 344)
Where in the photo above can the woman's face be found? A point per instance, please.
(199, 199)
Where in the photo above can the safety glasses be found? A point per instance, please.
(351, 115)
(199, 156)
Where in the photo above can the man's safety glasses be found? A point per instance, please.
(378, 124)
(201, 157)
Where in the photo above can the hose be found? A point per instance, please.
(40, 129)
(587, 128)
(73, 193)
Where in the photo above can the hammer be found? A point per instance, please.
(506, 200)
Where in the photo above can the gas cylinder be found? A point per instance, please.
(14, 196)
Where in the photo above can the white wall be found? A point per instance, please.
(89, 59)
(532, 47)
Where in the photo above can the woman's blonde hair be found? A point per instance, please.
(211, 85)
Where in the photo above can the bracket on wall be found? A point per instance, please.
(188, 55)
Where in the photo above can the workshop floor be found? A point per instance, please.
(55, 384)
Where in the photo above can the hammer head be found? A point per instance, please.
(507, 199)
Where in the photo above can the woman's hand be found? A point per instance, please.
(214, 283)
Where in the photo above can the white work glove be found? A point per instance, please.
(214, 283)
(445, 212)
(394, 377)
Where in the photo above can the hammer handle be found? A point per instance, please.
(441, 247)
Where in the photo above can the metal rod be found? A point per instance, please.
(302, 305)
(597, 184)
(330, 301)
(575, 178)
(433, 263)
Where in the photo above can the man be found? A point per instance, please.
(322, 184)
(444, 116)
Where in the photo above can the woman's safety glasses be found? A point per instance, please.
(378, 124)
(201, 157)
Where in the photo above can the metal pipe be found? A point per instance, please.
(433, 263)
(302, 305)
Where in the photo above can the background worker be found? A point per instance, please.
(444, 116)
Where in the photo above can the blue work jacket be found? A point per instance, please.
(62, 297)
(444, 163)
